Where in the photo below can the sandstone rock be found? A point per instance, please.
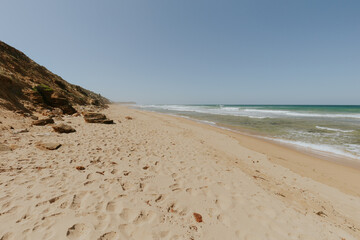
(34, 117)
(46, 95)
(108, 121)
(63, 128)
(92, 117)
(48, 146)
(43, 122)
(3, 147)
(59, 101)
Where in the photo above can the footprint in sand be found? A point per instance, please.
(160, 198)
(127, 229)
(7, 236)
(79, 231)
(114, 206)
(103, 221)
(129, 215)
(77, 200)
(108, 236)
(224, 220)
(144, 216)
(190, 191)
(5, 205)
(224, 203)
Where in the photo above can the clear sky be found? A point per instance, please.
(195, 51)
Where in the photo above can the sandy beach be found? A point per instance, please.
(155, 176)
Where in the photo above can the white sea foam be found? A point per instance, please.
(302, 114)
(266, 111)
(298, 114)
(197, 120)
(334, 129)
(229, 111)
(353, 153)
(353, 148)
(248, 112)
(208, 122)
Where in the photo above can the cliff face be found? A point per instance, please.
(28, 86)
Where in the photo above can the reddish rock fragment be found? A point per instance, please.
(80, 168)
(198, 217)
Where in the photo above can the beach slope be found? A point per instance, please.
(154, 176)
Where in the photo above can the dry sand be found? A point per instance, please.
(145, 177)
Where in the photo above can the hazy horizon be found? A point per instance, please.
(203, 52)
(241, 104)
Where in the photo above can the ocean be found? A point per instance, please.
(331, 129)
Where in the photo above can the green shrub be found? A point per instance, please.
(42, 87)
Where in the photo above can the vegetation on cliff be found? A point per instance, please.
(28, 86)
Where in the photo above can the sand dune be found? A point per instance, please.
(146, 177)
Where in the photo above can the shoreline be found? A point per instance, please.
(336, 147)
(335, 171)
(323, 155)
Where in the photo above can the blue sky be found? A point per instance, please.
(195, 51)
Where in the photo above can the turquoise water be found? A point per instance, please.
(334, 129)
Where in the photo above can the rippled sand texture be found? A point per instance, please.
(145, 177)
